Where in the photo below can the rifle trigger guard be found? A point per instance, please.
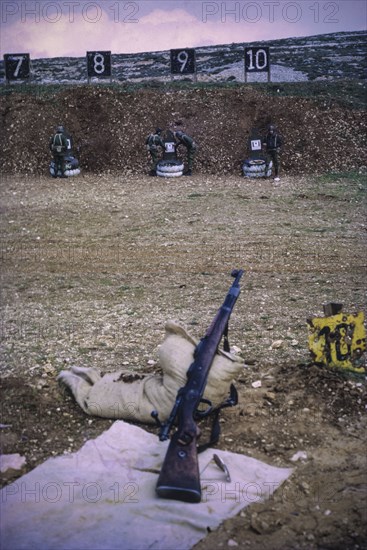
(204, 413)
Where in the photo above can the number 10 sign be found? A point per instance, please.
(257, 60)
(183, 61)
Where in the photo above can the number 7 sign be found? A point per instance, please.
(17, 66)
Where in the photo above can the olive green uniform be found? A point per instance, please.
(273, 142)
(191, 147)
(59, 147)
(152, 142)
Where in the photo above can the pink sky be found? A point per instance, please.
(70, 28)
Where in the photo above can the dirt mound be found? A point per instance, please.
(110, 126)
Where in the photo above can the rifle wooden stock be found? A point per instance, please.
(179, 478)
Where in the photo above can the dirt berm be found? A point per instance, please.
(111, 124)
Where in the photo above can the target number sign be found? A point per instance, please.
(99, 64)
(256, 145)
(183, 61)
(170, 146)
(17, 66)
(257, 60)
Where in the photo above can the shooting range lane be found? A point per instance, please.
(105, 495)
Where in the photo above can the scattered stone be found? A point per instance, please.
(299, 455)
(259, 525)
(11, 463)
(271, 396)
(276, 344)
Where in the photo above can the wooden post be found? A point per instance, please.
(332, 308)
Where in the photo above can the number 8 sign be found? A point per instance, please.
(183, 61)
(99, 64)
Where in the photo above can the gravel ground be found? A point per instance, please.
(93, 266)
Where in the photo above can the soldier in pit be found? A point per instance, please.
(153, 142)
(189, 143)
(273, 143)
(59, 146)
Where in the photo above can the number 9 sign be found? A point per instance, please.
(99, 64)
(183, 61)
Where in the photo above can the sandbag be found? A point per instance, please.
(114, 395)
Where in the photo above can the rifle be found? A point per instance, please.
(179, 477)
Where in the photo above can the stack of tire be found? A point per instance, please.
(256, 168)
(71, 167)
(170, 168)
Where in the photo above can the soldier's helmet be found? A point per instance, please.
(60, 129)
(158, 130)
(271, 128)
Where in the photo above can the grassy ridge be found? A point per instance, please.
(345, 93)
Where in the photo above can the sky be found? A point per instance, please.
(71, 27)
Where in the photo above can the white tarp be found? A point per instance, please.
(103, 497)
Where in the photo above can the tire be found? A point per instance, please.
(256, 168)
(255, 162)
(169, 169)
(74, 172)
(71, 167)
(168, 174)
(170, 166)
